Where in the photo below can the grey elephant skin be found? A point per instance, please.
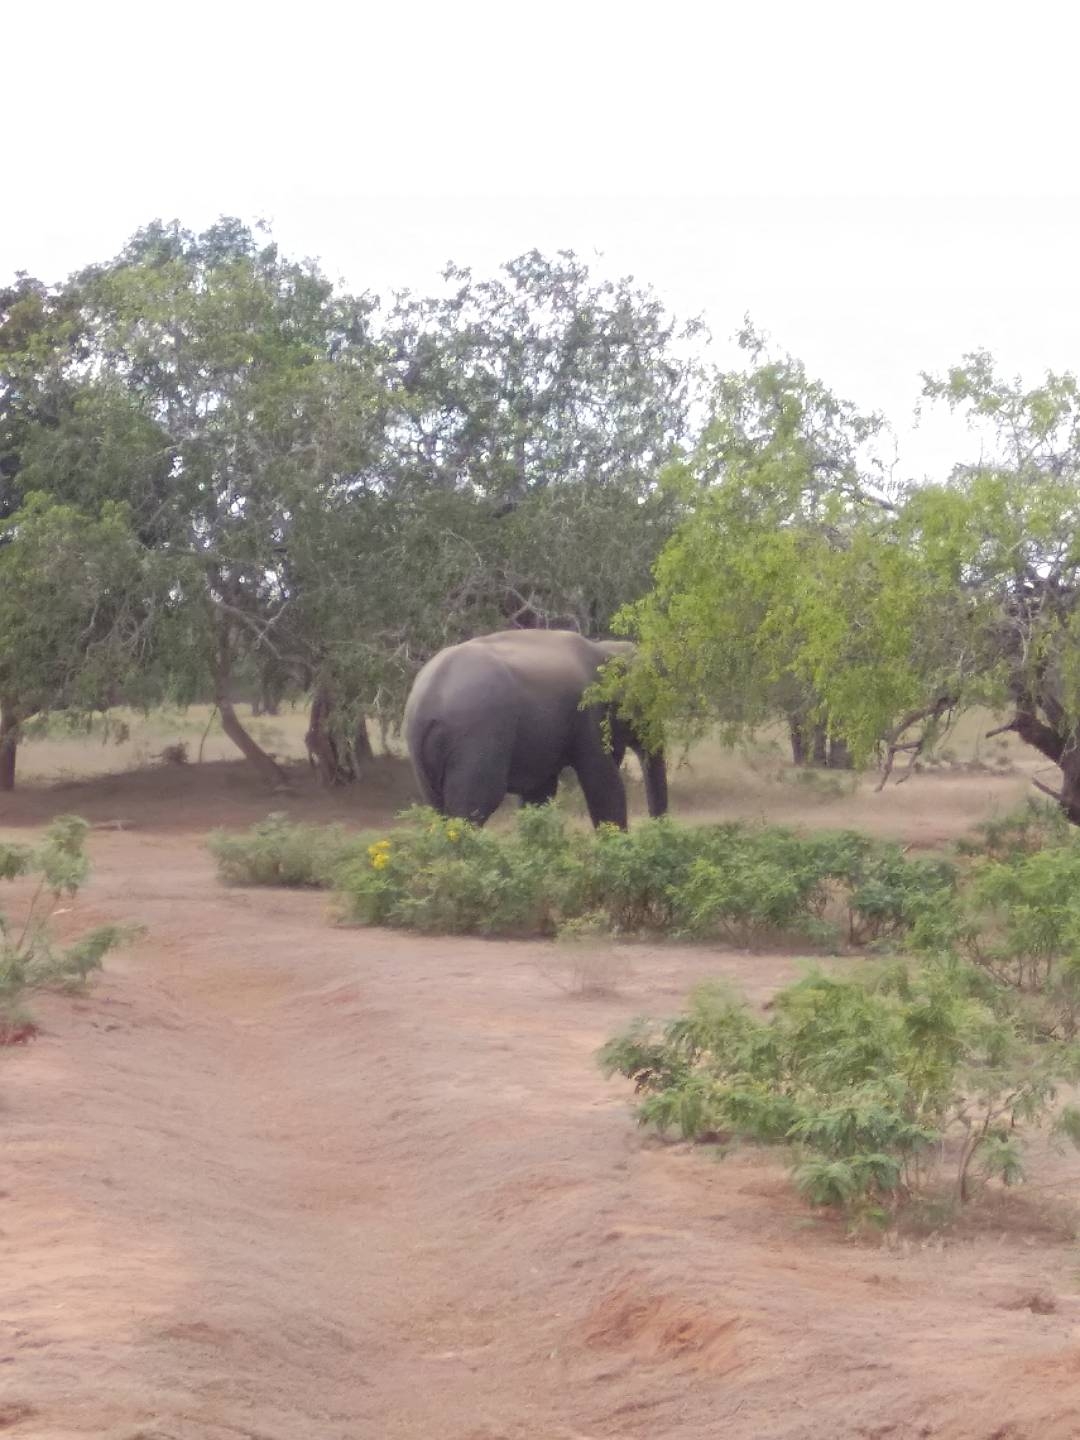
(501, 715)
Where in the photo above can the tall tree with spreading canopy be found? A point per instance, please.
(229, 393)
(553, 399)
(40, 340)
(895, 610)
(776, 488)
(528, 420)
(76, 614)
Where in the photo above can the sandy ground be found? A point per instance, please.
(276, 1180)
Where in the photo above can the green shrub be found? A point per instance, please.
(448, 877)
(730, 881)
(866, 1079)
(747, 884)
(632, 876)
(29, 957)
(276, 852)
(1012, 912)
(892, 894)
(1018, 920)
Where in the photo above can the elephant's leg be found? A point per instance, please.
(601, 781)
(473, 790)
(542, 794)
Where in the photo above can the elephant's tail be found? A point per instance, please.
(431, 755)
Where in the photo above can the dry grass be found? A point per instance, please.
(129, 740)
(588, 970)
(126, 763)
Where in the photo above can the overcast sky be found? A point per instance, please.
(881, 186)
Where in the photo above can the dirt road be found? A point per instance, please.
(281, 1181)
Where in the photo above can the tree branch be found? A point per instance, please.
(1000, 730)
(1055, 795)
(896, 746)
(1033, 730)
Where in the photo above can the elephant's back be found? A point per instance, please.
(552, 659)
(504, 670)
(454, 679)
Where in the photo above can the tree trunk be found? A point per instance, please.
(839, 754)
(798, 740)
(812, 745)
(820, 757)
(321, 745)
(1070, 786)
(272, 685)
(9, 744)
(265, 765)
(1063, 752)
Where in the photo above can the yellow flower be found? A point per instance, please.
(453, 832)
(380, 859)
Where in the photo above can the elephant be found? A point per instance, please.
(501, 714)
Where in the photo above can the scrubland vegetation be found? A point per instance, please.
(31, 957)
(949, 1039)
(223, 477)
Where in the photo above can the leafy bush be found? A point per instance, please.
(276, 852)
(448, 877)
(746, 884)
(1012, 911)
(633, 876)
(870, 1080)
(741, 883)
(892, 894)
(1018, 920)
(29, 957)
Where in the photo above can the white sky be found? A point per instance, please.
(882, 186)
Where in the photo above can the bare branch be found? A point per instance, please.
(1055, 795)
(1000, 729)
(896, 746)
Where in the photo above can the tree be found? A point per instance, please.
(323, 502)
(76, 614)
(39, 332)
(528, 418)
(554, 400)
(774, 493)
(230, 393)
(1006, 531)
(895, 613)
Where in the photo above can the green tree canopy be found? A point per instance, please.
(76, 614)
(328, 496)
(554, 400)
(223, 393)
(890, 607)
(774, 494)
